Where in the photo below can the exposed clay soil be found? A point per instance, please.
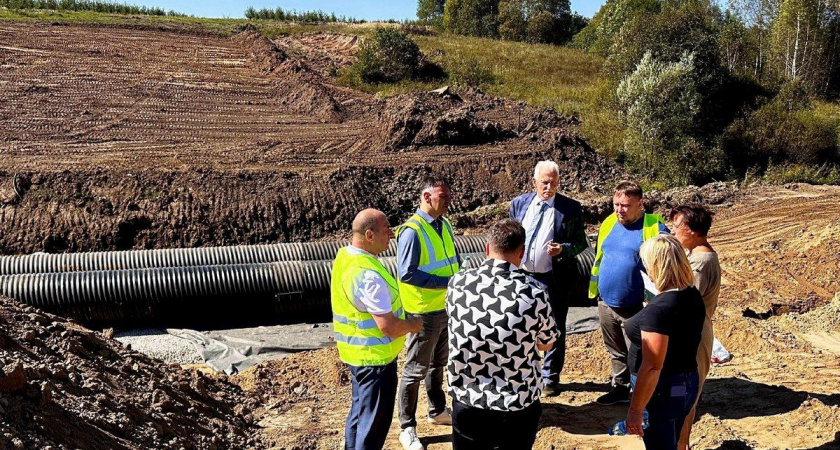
(778, 246)
(126, 138)
(63, 386)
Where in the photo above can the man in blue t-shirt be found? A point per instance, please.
(617, 278)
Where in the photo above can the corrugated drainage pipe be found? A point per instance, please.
(200, 256)
(178, 294)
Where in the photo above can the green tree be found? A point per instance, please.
(735, 44)
(388, 56)
(512, 23)
(797, 40)
(659, 104)
(430, 12)
(600, 33)
(472, 17)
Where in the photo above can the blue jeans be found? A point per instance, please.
(374, 393)
(670, 404)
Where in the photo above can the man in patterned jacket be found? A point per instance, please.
(499, 320)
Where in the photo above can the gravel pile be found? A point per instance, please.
(157, 343)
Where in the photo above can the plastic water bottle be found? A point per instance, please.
(620, 429)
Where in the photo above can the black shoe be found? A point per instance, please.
(619, 394)
(551, 390)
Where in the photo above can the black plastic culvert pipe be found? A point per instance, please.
(177, 293)
(201, 256)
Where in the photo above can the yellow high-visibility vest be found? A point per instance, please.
(437, 257)
(359, 340)
(649, 230)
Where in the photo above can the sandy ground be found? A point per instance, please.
(780, 252)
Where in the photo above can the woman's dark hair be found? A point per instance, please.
(696, 217)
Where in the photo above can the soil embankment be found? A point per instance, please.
(63, 386)
(120, 138)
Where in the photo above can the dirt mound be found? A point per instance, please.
(65, 387)
(303, 91)
(263, 53)
(466, 117)
(326, 52)
(300, 375)
(305, 399)
(299, 88)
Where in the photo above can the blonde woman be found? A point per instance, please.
(664, 338)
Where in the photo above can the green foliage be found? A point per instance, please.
(295, 16)
(660, 103)
(88, 5)
(390, 55)
(784, 130)
(472, 17)
(546, 21)
(430, 12)
(799, 173)
(512, 23)
(796, 40)
(466, 70)
(600, 33)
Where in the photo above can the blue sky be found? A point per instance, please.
(367, 9)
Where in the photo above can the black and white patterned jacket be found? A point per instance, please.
(497, 316)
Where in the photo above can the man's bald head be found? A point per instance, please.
(367, 219)
(371, 231)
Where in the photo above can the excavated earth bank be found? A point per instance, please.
(63, 386)
(124, 138)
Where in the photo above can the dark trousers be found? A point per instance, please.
(555, 358)
(425, 361)
(667, 409)
(484, 429)
(615, 338)
(374, 392)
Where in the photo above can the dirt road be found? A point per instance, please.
(780, 252)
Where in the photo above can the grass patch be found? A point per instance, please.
(797, 173)
(221, 27)
(539, 74)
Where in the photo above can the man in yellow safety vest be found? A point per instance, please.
(617, 278)
(369, 324)
(427, 259)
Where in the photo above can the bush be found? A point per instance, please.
(659, 103)
(781, 132)
(390, 55)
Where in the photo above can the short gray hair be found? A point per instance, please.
(506, 236)
(546, 165)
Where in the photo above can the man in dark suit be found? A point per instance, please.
(554, 235)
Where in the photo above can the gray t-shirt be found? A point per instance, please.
(706, 269)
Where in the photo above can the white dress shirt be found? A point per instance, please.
(537, 260)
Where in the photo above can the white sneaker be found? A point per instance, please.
(409, 439)
(444, 418)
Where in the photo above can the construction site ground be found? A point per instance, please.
(119, 138)
(780, 254)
